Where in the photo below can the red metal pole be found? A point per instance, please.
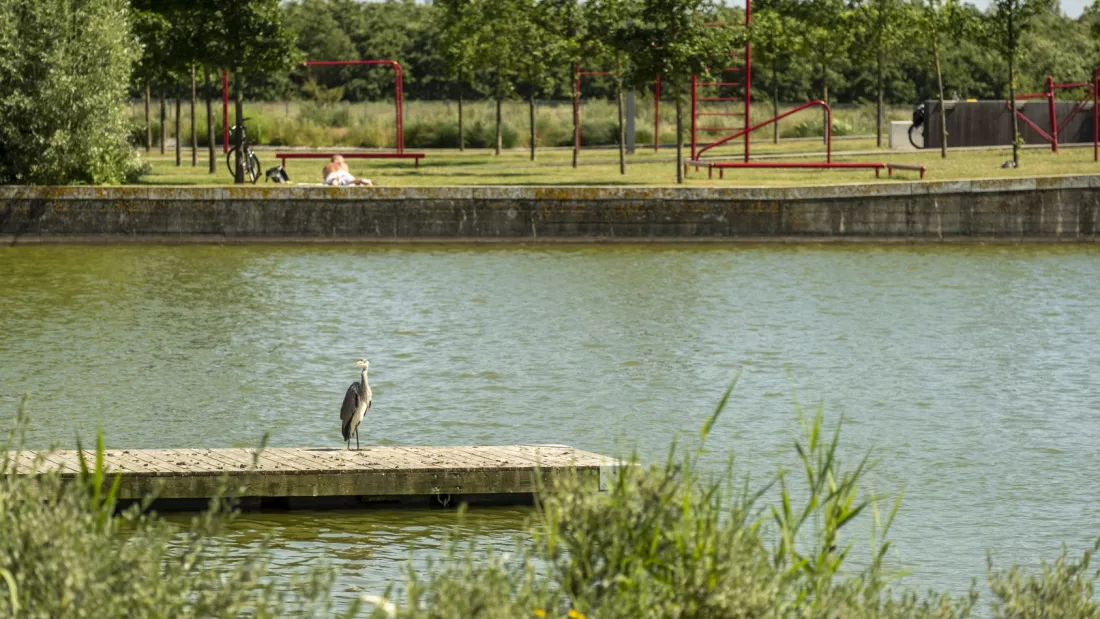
(577, 109)
(400, 99)
(1096, 115)
(759, 125)
(225, 111)
(657, 116)
(694, 83)
(828, 133)
(748, 80)
(1053, 114)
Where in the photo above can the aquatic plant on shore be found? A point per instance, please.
(664, 540)
(66, 550)
(669, 541)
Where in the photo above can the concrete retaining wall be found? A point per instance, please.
(1045, 209)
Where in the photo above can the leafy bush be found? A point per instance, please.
(141, 168)
(65, 69)
(136, 135)
(1065, 588)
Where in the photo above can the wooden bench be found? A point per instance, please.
(721, 166)
(415, 156)
(890, 167)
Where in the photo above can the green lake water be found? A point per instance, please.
(972, 372)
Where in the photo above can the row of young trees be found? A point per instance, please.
(881, 50)
(65, 65)
(850, 50)
(409, 33)
(483, 46)
(182, 39)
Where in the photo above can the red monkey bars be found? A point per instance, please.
(746, 129)
(828, 163)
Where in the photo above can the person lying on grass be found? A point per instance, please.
(336, 173)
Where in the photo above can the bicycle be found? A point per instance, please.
(249, 161)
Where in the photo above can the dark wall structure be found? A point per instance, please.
(1042, 209)
(989, 123)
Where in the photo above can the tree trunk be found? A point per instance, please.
(878, 108)
(679, 138)
(238, 163)
(825, 98)
(1012, 91)
(179, 104)
(210, 120)
(194, 129)
(775, 102)
(461, 128)
(531, 109)
(500, 137)
(148, 122)
(163, 125)
(943, 112)
(622, 128)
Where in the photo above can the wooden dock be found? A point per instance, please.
(305, 478)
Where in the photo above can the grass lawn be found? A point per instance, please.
(600, 167)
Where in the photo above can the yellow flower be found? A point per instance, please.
(540, 612)
(575, 614)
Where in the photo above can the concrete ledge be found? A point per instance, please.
(1063, 208)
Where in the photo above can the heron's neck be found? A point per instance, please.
(364, 378)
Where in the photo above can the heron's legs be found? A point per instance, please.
(349, 442)
(356, 439)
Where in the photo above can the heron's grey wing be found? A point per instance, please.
(347, 409)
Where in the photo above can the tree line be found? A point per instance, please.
(885, 51)
(846, 34)
(64, 85)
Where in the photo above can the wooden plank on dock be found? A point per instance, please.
(368, 474)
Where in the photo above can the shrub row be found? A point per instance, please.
(435, 125)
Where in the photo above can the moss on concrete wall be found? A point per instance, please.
(1055, 208)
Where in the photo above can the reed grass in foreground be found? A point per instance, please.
(664, 540)
(668, 541)
(599, 167)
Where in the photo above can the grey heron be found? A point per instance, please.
(356, 402)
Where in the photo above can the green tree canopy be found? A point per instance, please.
(65, 68)
(671, 38)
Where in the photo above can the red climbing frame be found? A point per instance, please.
(724, 82)
(1057, 126)
(1096, 115)
(399, 107)
(828, 163)
(1092, 90)
(577, 74)
(746, 129)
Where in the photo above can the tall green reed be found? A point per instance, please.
(670, 540)
(69, 549)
